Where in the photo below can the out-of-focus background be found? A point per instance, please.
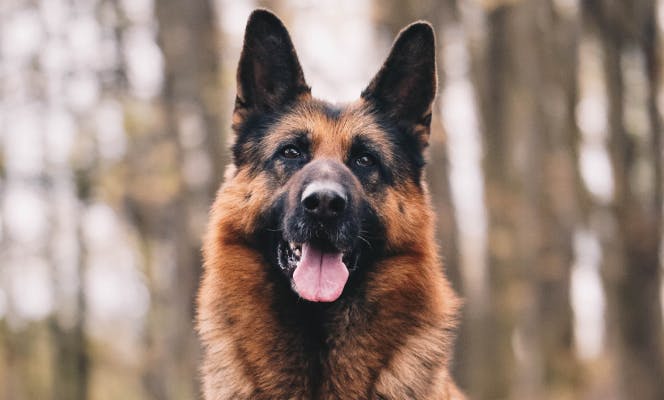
(545, 167)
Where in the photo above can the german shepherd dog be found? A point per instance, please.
(322, 278)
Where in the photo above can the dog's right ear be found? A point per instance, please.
(405, 86)
(269, 75)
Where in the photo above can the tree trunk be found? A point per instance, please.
(631, 269)
(525, 80)
(191, 141)
(71, 362)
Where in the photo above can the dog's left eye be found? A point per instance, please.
(291, 152)
(365, 160)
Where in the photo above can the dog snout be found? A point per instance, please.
(324, 199)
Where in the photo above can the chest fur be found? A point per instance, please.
(346, 352)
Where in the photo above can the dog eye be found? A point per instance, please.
(291, 152)
(365, 160)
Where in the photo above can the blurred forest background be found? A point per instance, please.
(545, 165)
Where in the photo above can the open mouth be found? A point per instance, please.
(319, 272)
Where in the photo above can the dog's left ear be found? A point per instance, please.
(405, 86)
(269, 76)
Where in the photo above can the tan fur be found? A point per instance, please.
(330, 138)
(375, 353)
(239, 331)
(389, 335)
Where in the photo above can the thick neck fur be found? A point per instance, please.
(389, 338)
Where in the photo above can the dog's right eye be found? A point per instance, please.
(291, 152)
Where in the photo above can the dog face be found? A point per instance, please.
(326, 190)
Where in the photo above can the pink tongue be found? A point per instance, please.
(320, 276)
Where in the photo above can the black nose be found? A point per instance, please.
(324, 200)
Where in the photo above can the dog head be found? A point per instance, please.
(325, 190)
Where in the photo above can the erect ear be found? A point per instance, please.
(405, 86)
(269, 75)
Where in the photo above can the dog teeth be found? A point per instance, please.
(296, 249)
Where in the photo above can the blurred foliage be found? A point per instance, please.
(545, 168)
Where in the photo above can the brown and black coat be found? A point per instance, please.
(390, 334)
